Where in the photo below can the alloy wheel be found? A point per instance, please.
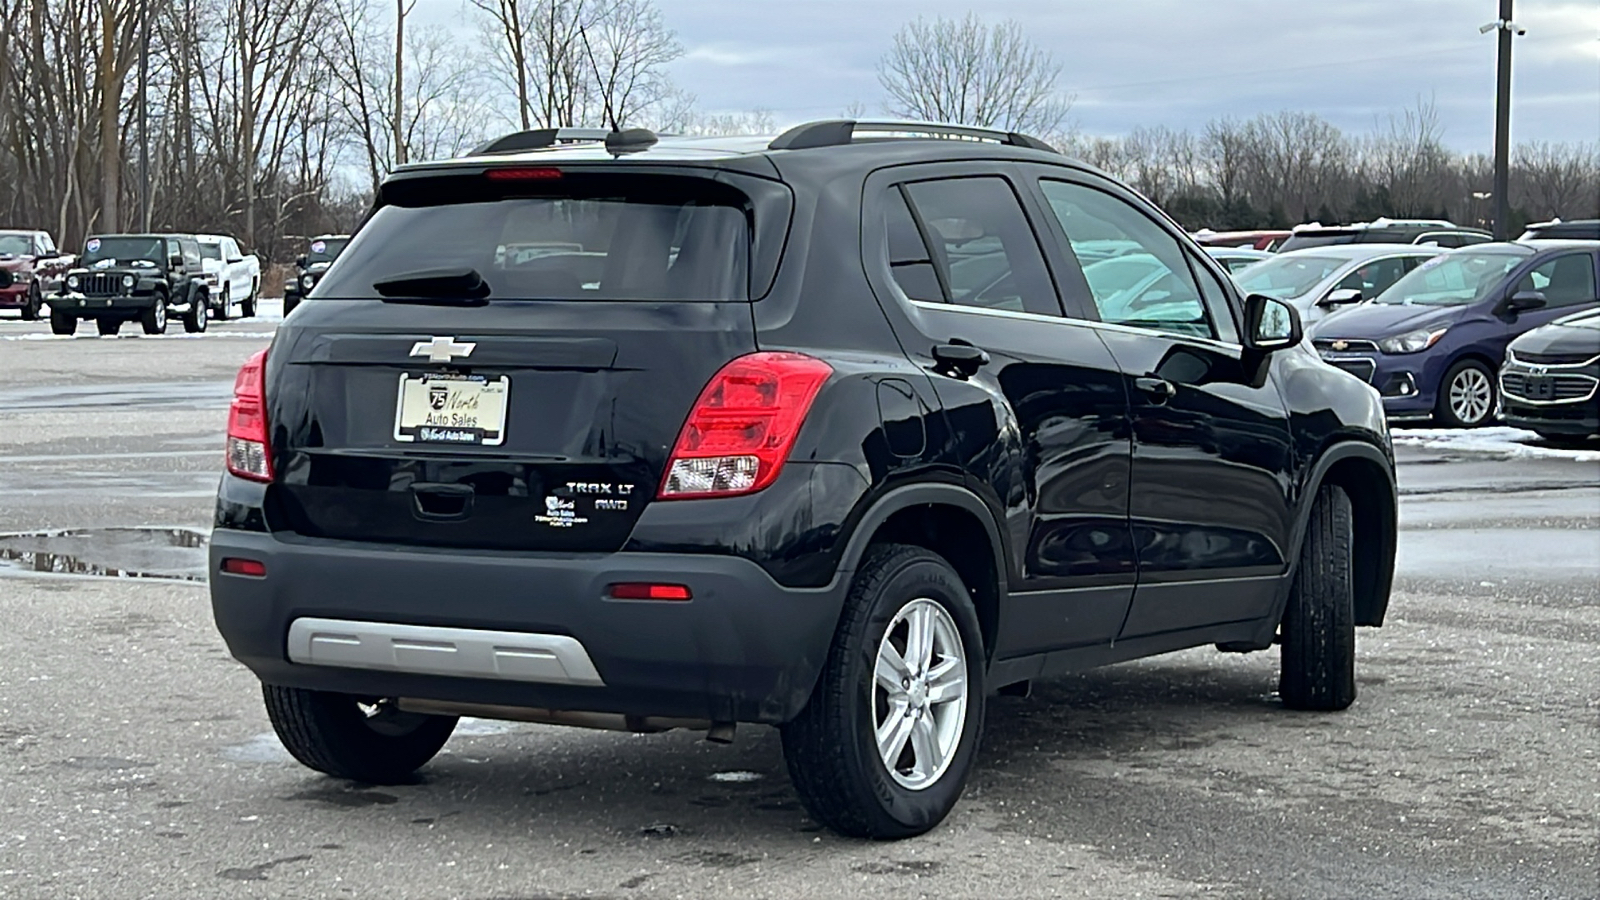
(919, 694)
(1471, 395)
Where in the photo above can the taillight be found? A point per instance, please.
(743, 425)
(249, 455)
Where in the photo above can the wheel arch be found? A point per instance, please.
(950, 521)
(1364, 472)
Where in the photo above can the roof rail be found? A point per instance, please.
(838, 132)
(538, 139)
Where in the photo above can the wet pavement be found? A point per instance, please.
(135, 759)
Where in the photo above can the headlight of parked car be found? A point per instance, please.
(308, 281)
(1411, 341)
(127, 282)
(72, 282)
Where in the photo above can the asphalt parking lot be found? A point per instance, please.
(136, 761)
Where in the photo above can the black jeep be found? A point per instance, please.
(310, 266)
(834, 432)
(122, 277)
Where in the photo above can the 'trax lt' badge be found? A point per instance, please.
(442, 349)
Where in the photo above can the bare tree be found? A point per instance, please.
(1557, 179)
(972, 73)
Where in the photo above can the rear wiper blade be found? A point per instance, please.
(461, 286)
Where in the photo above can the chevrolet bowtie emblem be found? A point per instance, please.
(442, 349)
(1337, 345)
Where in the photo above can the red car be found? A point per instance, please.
(30, 267)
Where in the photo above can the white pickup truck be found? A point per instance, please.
(233, 277)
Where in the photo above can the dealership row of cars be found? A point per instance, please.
(144, 278)
(1424, 310)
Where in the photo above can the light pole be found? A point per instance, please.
(1502, 115)
(144, 116)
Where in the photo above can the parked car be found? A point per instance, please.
(1320, 280)
(1268, 240)
(1235, 258)
(232, 276)
(30, 268)
(1550, 376)
(1432, 343)
(123, 277)
(787, 461)
(310, 266)
(1557, 230)
(1435, 232)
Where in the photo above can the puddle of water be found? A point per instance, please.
(176, 554)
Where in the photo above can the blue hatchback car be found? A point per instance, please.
(1433, 342)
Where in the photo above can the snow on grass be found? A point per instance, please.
(1497, 440)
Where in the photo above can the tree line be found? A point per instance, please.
(274, 120)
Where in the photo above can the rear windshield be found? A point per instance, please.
(1318, 239)
(616, 238)
(1287, 277)
(325, 249)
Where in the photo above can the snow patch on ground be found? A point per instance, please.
(1498, 440)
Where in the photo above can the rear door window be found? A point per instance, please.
(982, 246)
(592, 237)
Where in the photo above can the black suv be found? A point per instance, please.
(831, 432)
(1435, 232)
(124, 277)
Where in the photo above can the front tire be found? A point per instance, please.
(63, 323)
(346, 737)
(154, 319)
(198, 316)
(31, 309)
(1319, 633)
(884, 747)
(224, 310)
(247, 310)
(1467, 395)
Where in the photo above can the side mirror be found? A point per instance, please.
(300, 261)
(1524, 300)
(175, 263)
(1341, 297)
(1271, 324)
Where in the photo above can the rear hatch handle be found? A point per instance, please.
(441, 502)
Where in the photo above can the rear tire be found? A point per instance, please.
(832, 748)
(107, 327)
(1319, 634)
(333, 734)
(1467, 395)
(63, 323)
(35, 302)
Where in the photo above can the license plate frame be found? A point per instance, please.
(451, 409)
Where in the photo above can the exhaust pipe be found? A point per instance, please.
(720, 732)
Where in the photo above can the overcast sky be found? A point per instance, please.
(1166, 62)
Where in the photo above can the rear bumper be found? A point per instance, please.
(744, 649)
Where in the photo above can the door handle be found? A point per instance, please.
(1159, 390)
(958, 358)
